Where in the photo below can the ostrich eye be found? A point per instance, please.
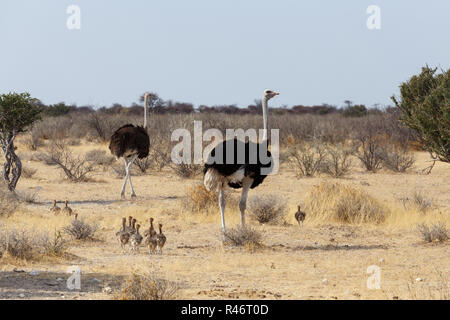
(269, 91)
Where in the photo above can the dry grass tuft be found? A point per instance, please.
(418, 201)
(185, 170)
(200, 199)
(9, 201)
(147, 287)
(243, 237)
(340, 203)
(267, 209)
(437, 232)
(28, 196)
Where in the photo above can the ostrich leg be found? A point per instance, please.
(222, 208)
(246, 183)
(133, 194)
(122, 193)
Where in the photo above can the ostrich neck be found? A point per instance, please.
(145, 111)
(265, 118)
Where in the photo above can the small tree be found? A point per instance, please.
(17, 111)
(425, 108)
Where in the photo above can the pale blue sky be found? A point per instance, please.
(219, 52)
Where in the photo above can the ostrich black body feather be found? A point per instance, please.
(129, 140)
(257, 157)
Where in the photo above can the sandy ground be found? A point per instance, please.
(326, 261)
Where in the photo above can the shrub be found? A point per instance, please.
(81, 230)
(56, 246)
(29, 244)
(438, 232)
(247, 237)
(267, 209)
(338, 162)
(54, 128)
(28, 173)
(369, 148)
(358, 110)
(103, 125)
(306, 159)
(18, 244)
(398, 158)
(340, 203)
(425, 108)
(76, 169)
(147, 287)
(33, 141)
(56, 110)
(142, 164)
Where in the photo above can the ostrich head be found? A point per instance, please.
(269, 94)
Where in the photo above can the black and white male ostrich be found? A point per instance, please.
(228, 167)
(130, 142)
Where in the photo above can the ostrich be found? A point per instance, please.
(130, 142)
(239, 174)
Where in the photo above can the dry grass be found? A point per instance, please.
(267, 209)
(418, 201)
(243, 237)
(199, 199)
(28, 173)
(9, 201)
(29, 244)
(28, 196)
(185, 170)
(333, 202)
(147, 287)
(429, 289)
(436, 232)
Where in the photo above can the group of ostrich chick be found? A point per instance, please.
(130, 234)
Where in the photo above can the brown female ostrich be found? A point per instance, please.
(130, 142)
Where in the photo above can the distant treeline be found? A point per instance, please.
(159, 106)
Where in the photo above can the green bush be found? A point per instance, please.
(425, 108)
